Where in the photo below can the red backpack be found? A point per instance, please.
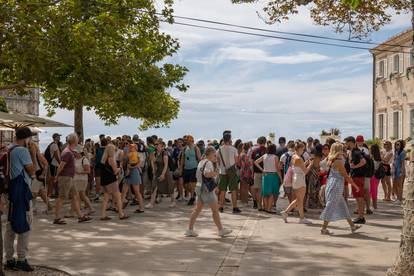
(5, 169)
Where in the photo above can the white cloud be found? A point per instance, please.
(258, 55)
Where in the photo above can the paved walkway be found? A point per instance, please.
(153, 244)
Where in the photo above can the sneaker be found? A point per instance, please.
(10, 265)
(221, 209)
(191, 201)
(224, 232)
(190, 233)
(284, 216)
(236, 211)
(369, 212)
(149, 206)
(24, 266)
(359, 221)
(305, 221)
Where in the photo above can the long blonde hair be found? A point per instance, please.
(109, 152)
(336, 150)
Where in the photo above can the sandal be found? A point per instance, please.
(124, 217)
(138, 211)
(355, 228)
(59, 221)
(325, 232)
(125, 204)
(105, 218)
(68, 216)
(84, 219)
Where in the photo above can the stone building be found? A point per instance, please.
(27, 104)
(393, 88)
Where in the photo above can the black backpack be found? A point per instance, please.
(369, 166)
(172, 165)
(380, 172)
(47, 154)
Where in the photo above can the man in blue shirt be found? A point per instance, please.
(20, 164)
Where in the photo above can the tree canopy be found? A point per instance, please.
(358, 17)
(105, 55)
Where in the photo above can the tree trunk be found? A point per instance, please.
(79, 121)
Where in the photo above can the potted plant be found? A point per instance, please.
(409, 71)
(392, 75)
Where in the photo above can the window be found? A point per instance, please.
(411, 58)
(397, 124)
(381, 69)
(381, 126)
(396, 63)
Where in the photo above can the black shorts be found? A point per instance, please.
(53, 170)
(98, 171)
(189, 176)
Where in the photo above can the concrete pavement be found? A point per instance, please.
(153, 244)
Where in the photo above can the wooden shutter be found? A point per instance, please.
(390, 128)
(400, 125)
(391, 61)
(377, 70)
(385, 68)
(384, 129)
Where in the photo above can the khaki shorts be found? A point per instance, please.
(37, 186)
(66, 187)
(257, 182)
(111, 188)
(81, 185)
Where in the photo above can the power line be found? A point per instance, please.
(286, 33)
(279, 37)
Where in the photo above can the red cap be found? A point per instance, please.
(359, 139)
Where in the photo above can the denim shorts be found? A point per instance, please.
(205, 196)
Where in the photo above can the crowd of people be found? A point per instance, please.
(127, 171)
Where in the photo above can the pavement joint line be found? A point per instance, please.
(231, 262)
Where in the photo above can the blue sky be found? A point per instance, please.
(255, 85)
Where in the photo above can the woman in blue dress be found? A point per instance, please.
(336, 207)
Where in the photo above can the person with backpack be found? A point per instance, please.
(206, 183)
(82, 170)
(369, 170)
(99, 167)
(191, 155)
(162, 175)
(287, 172)
(358, 172)
(39, 182)
(52, 155)
(227, 156)
(258, 151)
(399, 171)
(378, 175)
(387, 158)
(21, 171)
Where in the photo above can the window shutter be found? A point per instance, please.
(401, 67)
(391, 60)
(377, 127)
(390, 128)
(385, 68)
(400, 124)
(411, 58)
(377, 69)
(384, 128)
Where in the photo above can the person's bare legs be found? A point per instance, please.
(325, 225)
(76, 205)
(104, 205)
(97, 187)
(196, 211)
(360, 206)
(153, 197)
(234, 198)
(300, 197)
(222, 195)
(118, 202)
(244, 192)
(216, 215)
(58, 206)
(86, 200)
(386, 183)
(138, 197)
(180, 187)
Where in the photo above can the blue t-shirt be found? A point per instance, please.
(19, 158)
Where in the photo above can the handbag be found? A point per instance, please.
(209, 183)
(230, 171)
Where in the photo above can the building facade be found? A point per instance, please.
(26, 104)
(393, 88)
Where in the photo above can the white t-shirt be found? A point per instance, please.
(229, 154)
(285, 155)
(209, 168)
(79, 163)
(53, 148)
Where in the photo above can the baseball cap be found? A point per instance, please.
(56, 135)
(359, 139)
(23, 133)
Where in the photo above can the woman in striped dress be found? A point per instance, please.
(336, 207)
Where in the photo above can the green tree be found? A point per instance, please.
(3, 105)
(107, 56)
